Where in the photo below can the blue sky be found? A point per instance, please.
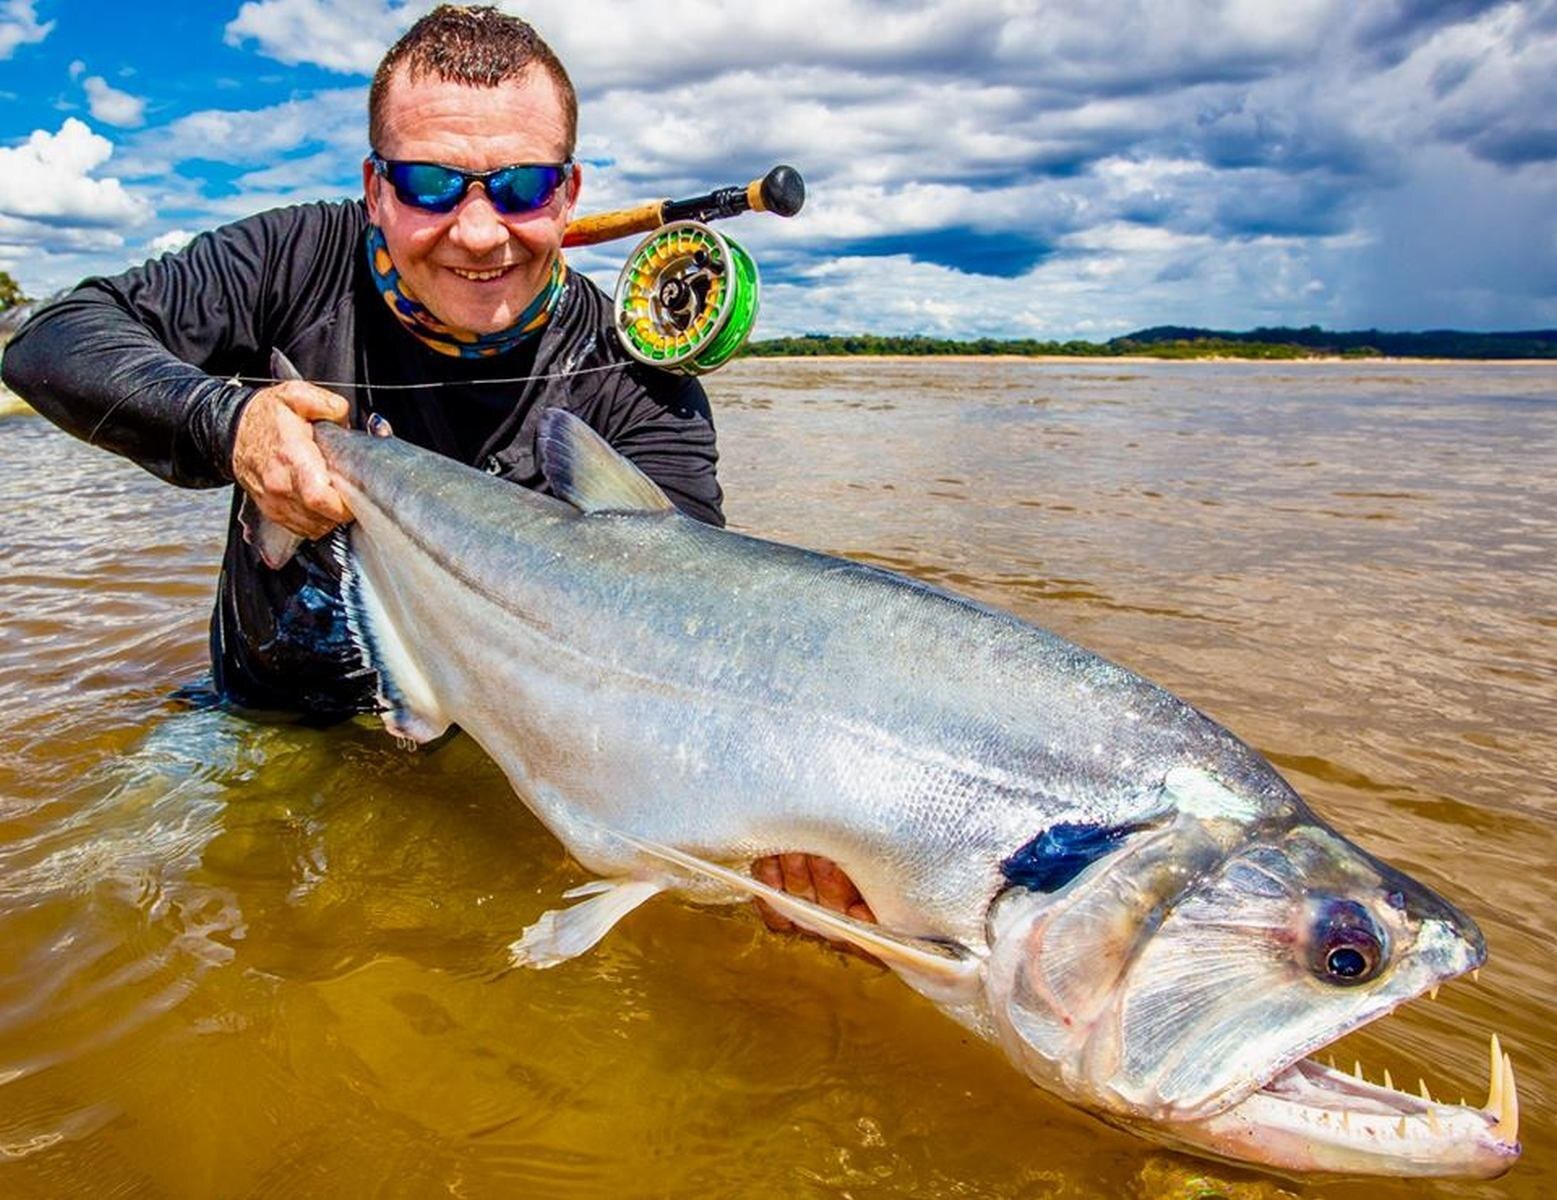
(976, 167)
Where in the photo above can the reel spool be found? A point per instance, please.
(687, 298)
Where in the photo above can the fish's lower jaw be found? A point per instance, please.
(1311, 1118)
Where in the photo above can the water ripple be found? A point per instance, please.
(264, 960)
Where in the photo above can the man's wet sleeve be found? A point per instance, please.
(92, 369)
(138, 363)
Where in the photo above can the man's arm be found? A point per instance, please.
(139, 363)
(92, 366)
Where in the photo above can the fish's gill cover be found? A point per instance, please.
(404, 696)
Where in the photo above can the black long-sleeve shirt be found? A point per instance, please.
(144, 364)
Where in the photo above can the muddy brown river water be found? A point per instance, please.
(242, 959)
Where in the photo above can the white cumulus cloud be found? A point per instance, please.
(111, 106)
(336, 119)
(173, 239)
(19, 25)
(1075, 166)
(349, 36)
(49, 178)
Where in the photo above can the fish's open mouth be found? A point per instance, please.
(1312, 1117)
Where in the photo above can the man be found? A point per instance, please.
(442, 302)
(421, 304)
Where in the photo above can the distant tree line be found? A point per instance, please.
(873, 343)
(11, 293)
(1430, 343)
(1174, 341)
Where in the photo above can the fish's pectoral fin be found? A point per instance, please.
(584, 470)
(564, 933)
(935, 968)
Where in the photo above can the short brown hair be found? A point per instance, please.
(477, 46)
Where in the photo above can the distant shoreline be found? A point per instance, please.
(1178, 342)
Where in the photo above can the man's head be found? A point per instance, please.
(473, 89)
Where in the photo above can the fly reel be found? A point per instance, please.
(687, 298)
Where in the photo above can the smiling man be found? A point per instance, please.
(440, 301)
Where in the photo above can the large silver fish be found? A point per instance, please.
(1062, 856)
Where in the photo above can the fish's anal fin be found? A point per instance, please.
(564, 933)
(934, 968)
(584, 470)
(407, 702)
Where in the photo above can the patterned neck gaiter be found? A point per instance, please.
(445, 339)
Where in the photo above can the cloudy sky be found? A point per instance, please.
(976, 167)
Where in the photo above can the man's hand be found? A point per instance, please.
(814, 878)
(276, 460)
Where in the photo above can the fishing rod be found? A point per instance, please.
(781, 192)
(687, 297)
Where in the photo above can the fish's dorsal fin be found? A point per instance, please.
(583, 469)
(937, 969)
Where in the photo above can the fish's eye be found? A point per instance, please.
(1348, 946)
(1347, 962)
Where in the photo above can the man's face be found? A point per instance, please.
(474, 267)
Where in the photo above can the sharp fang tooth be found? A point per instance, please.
(1426, 1095)
(1494, 1104)
(1330, 1060)
(1357, 1070)
(1400, 1127)
(1432, 1121)
(1475, 974)
(1507, 1128)
(1388, 1080)
(1346, 1120)
(1432, 992)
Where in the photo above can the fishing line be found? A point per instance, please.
(433, 383)
(369, 386)
(119, 403)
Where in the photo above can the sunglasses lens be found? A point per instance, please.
(427, 185)
(517, 189)
(524, 188)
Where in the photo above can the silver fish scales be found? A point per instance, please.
(1063, 856)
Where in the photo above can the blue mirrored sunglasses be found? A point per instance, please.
(520, 188)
